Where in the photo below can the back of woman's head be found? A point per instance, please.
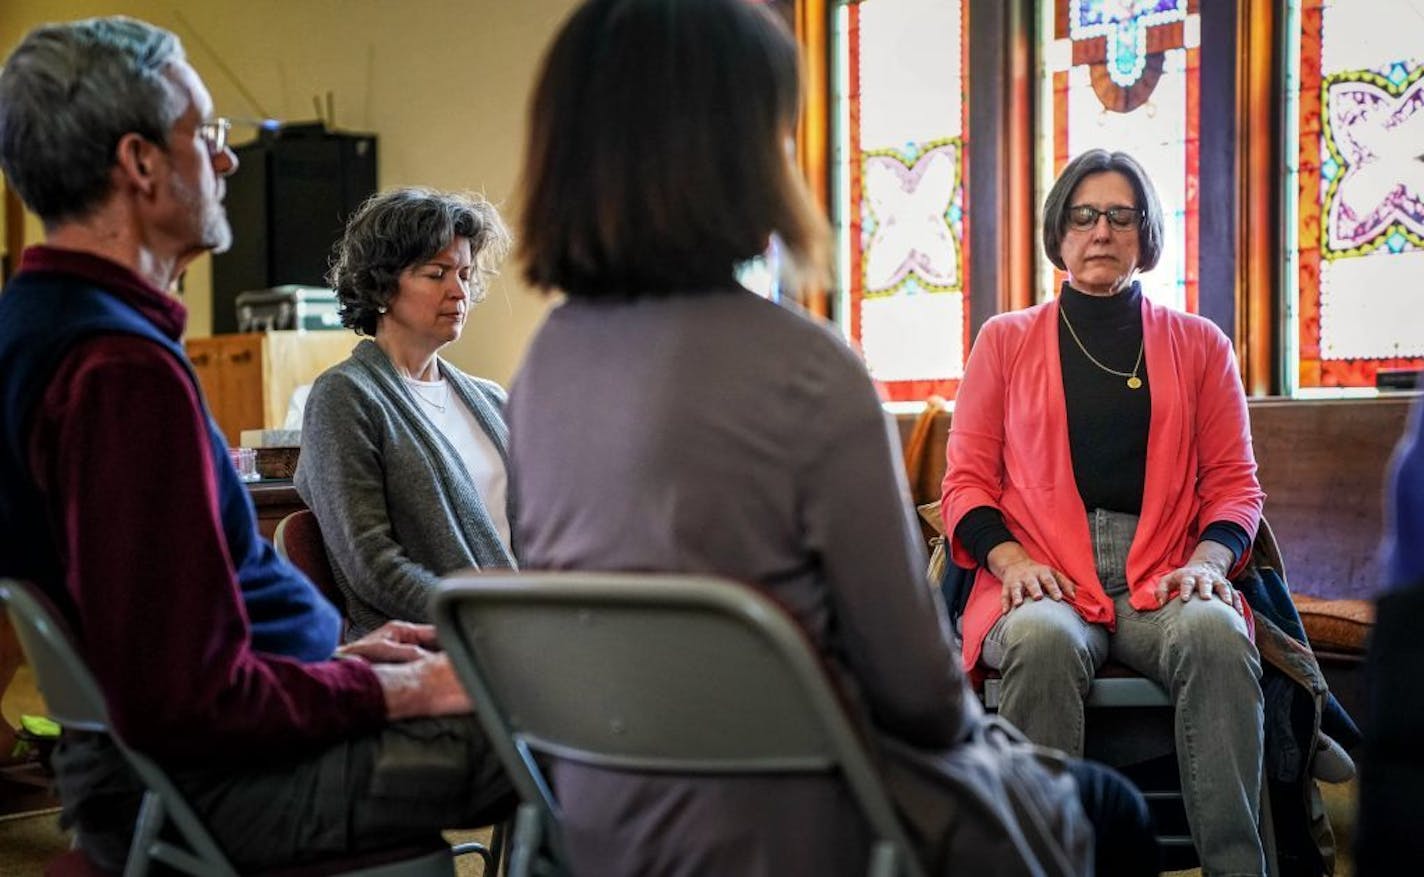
(659, 150)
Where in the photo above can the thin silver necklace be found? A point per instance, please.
(1133, 381)
(443, 391)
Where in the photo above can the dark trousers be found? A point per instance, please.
(403, 784)
(1124, 842)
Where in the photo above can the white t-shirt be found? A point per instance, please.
(479, 454)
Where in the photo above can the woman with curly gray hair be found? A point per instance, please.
(378, 426)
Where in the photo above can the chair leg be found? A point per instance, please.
(146, 828)
(883, 861)
(478, 849)
(528, 837)
(499, 839)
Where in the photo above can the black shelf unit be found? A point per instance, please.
(288, 204)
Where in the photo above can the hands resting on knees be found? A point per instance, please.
(1204, 576)
(1022, 577)
(416, 679)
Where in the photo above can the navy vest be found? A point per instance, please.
(42, 316)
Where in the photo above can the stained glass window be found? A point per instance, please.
(1123, 75)
(902, 163)
(1359, 270)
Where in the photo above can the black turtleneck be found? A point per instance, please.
(1108, 421)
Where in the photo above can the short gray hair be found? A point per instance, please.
(395, 230)
(68, 93)
(1097, 161)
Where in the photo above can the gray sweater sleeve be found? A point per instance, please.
(892, 628)
(341, 474)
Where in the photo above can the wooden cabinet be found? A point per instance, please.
(248, 379)
(230, 369)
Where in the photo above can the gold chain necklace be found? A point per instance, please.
(1133, 381)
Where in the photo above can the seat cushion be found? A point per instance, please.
(1336, 625)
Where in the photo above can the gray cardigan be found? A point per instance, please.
(397, 507)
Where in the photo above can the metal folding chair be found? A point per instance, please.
(645, 672)
(74, 700)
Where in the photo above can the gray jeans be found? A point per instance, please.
(1199, 651)
(401, 784)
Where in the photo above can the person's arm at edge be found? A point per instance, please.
(891, 627)
(1402, 549)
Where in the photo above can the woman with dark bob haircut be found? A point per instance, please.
(1100, 476)
(379, 425)
(666, 419)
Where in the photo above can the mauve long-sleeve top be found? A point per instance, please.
(720, 433)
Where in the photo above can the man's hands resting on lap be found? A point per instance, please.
(416, 679)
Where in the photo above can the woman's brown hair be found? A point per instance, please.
(658, 153)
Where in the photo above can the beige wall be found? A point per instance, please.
(443, 83)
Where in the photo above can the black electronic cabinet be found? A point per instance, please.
(288, 203)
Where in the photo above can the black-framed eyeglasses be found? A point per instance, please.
(1084, 216)
(214, 133)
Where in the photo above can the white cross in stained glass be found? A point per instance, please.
(1124, 23)
(1374, 174)
(910, 241)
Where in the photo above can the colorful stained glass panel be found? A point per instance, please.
(1360, 184)
(1123, 25)
(1122, 75)
(905, 216)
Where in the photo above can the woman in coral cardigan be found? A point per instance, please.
(1101, 477)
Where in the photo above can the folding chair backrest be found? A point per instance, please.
(74, 700)
(684, 674)
(71, 694)
(298, 539)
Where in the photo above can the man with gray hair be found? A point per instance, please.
(117, 499)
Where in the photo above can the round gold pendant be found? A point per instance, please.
(1134, 382)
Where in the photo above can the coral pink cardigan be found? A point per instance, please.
(1008, 448)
